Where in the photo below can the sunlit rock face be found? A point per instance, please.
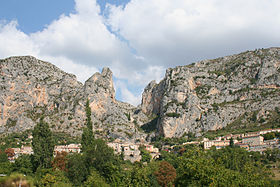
(212, 94)
(206, 95)
(31, 88)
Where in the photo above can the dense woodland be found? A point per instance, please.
(188, 165)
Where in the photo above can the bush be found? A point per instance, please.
(95, 179)
(173, 115)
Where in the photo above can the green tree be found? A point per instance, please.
(97, 155)
(95, 180)
(24, 165)
(225, 167)
(231, 142)
(3, 157)
(87, 136)
(269, 136)
(139, 176)
(146, 156)
(100, 156)
(54, 178)
(169, 157)
(43, 145)
(5, 165)
(272, 155)
(76, 169)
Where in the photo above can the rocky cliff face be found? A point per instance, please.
(212, 94)
(31, 88)
(208, 95)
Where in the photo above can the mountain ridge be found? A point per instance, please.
(206, 95)
(192, 97)
(32, 88)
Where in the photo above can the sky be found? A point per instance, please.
(137, 39)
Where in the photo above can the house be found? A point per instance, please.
(130, 151)
(153, 150)
(208, 144)
(221, 144)
(116, 146)
(269, 130)
(251, 134)
(71, 148)
(259, 148)
(26, 150)
(217, 143)
(252, 140)
(245, 146)
(271, 142)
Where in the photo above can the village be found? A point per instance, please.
(129, 150)
(252, 141)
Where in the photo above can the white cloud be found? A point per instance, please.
(13, 41)
(79, 43)
(148, 37)
(81, 71)
(175, 32)
(127, 95)
(87, 7)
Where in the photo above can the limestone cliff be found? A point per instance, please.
(31, 88)
(212, 94)
(207, 95)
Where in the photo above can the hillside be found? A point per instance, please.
(236, 91)
(31, 88)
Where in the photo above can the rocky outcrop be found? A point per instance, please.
(207, 95)
(31, 88)
(212, 94)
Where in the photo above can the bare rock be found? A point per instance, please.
(212, 94)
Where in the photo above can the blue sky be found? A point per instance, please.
(34, 15)
(138, 39)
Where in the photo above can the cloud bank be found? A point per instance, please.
(140, 40)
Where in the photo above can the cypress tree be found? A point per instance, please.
(231, 142)
(87, 136)
(43, 145)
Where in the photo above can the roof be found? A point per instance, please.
(251, 136)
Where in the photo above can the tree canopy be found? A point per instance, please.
(87, 136)
(43, 145)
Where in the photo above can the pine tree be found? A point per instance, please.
(43, 145)
(87, 136)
